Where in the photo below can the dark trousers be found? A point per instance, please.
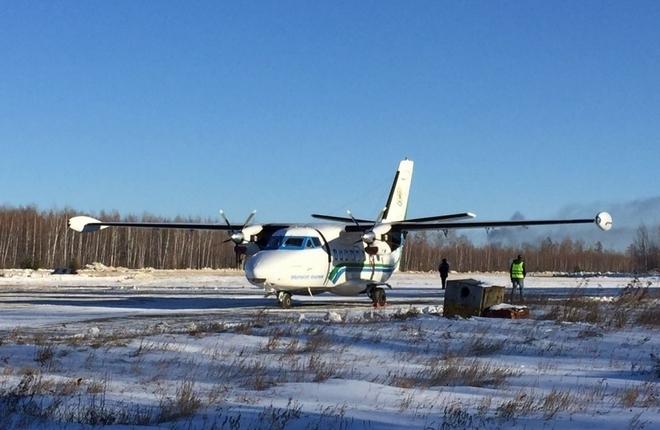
(444, 281)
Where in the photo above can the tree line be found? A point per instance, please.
(30, 238)
(566, 256)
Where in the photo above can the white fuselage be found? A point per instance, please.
(317, 258)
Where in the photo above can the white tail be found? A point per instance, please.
(397, 202)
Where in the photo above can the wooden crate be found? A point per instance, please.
(468, 297)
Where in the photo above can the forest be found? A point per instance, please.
(33, 238)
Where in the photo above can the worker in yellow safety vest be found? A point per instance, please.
(518, 274)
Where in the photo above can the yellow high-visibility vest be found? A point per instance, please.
(517, 270)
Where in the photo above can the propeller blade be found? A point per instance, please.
(222, 214)
(249, 218)
(350, 214)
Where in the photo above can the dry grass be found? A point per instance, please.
(280, 418)
(481, 345)
(317, 341)
(44, 355)
(472, 373)
(555, 402)
(454, 371)
(547, 405)
(321, 369)
(635, 304)
(649, 316)
(521, 404)
(184, 404)
(642, 395)
(455, 417)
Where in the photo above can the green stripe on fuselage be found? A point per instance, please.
(336, 270)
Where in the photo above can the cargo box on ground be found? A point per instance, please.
(469, 297)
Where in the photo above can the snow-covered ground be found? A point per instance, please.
(204, 349)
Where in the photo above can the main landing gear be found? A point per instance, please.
(284, 299)
(378, 297)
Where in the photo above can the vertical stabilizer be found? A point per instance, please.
(397, 202)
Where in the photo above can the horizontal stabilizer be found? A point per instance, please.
(449, 217)
(341, 219)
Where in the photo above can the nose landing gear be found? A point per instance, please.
(284, 299)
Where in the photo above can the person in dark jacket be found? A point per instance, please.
(444, 272)
(518, 273)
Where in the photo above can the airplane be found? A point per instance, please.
(347, 256)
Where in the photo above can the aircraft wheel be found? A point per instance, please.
(284, 299)
(379, 297)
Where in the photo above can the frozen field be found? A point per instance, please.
(204, 349)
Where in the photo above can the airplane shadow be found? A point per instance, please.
(300, 303)
(149, 302)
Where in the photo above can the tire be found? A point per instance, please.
(380, 299)
(284, 299)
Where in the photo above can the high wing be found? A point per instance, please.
(87, 224)
(412, 226)
(603, 220)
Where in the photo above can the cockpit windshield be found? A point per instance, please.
(293, 242)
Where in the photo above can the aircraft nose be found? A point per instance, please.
(258, 268)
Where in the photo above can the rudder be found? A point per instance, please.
(397, 202)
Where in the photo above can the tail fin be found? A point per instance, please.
(397, 202)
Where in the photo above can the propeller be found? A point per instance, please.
(239, 236)
(374, 233)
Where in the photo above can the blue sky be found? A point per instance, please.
(294, 107)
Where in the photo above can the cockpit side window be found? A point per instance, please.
(274, 242)
(317, 242)
(309, 243)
